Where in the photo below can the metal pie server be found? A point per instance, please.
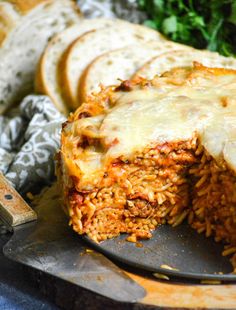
(42, 240)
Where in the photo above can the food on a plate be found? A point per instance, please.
(92, 44)
(183, 58)
(26, 27)
(150, 152)
(121, 63)
(46, 80)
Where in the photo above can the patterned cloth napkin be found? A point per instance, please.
(28, 142)
(124, 9)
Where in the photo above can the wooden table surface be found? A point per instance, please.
(177, 295)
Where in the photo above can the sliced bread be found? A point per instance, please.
(46, 81)
(9, 17)
(89, 46)
(26, 28)
(183, 58)
(120, 64)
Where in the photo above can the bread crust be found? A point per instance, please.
(41, 86)
(2, 36)
(23, 7)
(63, 80)
(82, 84)
(6, 23)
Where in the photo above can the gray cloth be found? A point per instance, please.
(28, 142)
(124, 9)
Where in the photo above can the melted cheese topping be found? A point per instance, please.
(172, 116)
(204, 103)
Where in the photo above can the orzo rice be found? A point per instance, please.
(147, 153)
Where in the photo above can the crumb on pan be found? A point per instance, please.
(168, 267)
(161, 276)
(211, 282)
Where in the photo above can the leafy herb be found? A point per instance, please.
(203, 24)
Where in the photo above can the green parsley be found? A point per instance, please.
(202, 24)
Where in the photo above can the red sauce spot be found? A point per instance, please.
(84, 115)
(64, 124)
(125, 86)
(75, 198)
(224, 102)
(114, 142)
(117, 164)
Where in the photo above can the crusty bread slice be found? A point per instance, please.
(46, 80)
(120, 64)
(9, 17)
(26, 28)
(89, 46)
(183, 58)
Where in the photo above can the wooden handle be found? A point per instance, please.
(13, 209)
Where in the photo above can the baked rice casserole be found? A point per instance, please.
(151, 152)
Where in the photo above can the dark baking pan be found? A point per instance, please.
(49, 245)
(189, 254)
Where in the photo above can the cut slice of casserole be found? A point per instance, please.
(147, 153)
